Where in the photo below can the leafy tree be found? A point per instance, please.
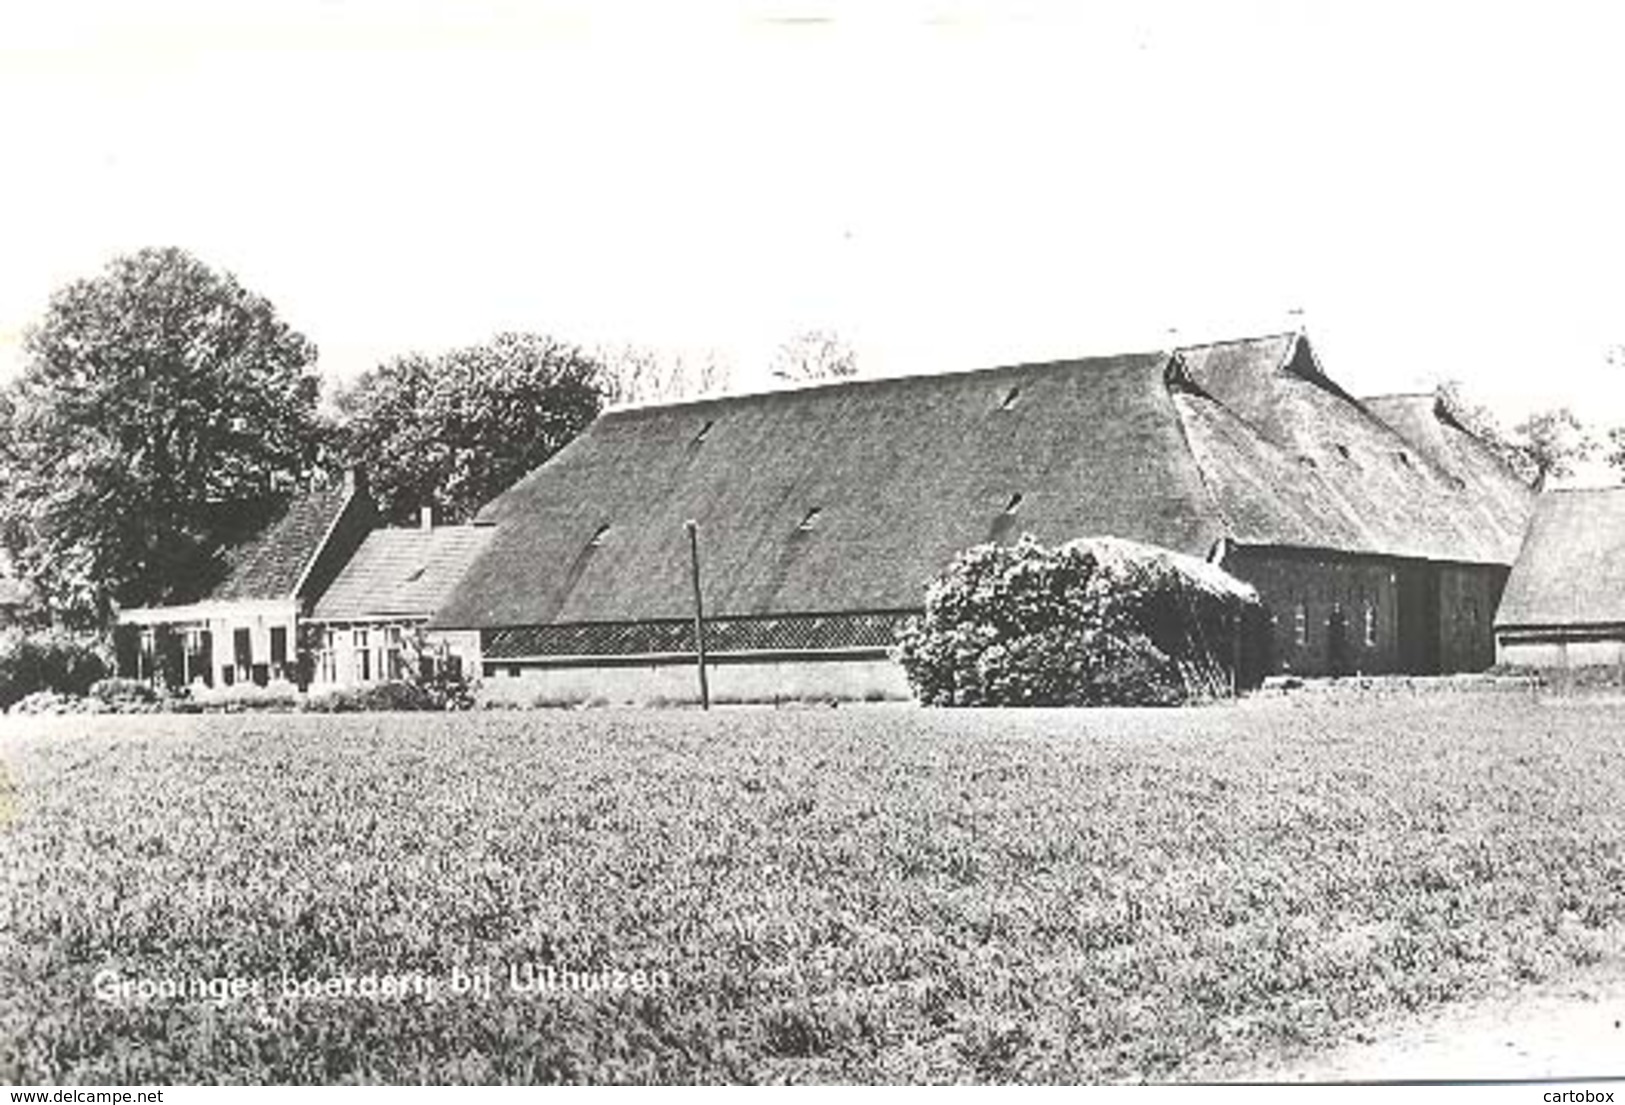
(1543, 446)
(1615, 445)
(157, 400)
(1551, 443)
(815, 355)
(456, 430)
(637, 374)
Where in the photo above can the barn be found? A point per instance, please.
(1564, 605)
(1379, 533)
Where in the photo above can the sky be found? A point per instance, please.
(1433, 191)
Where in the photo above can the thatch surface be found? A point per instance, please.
(905, 474)
(1238, 440)
(401, 573)
(1571, 571)
(1496, 494)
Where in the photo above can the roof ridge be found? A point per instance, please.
(804, 387)
(1225, 522)
(1239, 341)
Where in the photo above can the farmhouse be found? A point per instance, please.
(323, 596)
(1565, 600)
(1379, 534)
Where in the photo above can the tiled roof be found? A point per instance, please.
(798, 633)
(405, 572)
(270, 565)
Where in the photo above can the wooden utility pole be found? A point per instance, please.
(699, 608)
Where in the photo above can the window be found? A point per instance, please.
(392, 666)
(363, 655)
(242, 651)
(513, 672)
(1010, 399)
(327, 660)
(809, 521)
(279, 645)
(1300, 624)
(1370, 624)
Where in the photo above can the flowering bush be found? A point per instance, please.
(1091, 623)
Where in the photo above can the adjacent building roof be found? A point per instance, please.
(851, 496)
(272, 564)
(1497, 493)
(401, 573)
(1571, 571)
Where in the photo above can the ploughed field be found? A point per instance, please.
(852, 894)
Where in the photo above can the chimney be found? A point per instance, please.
(426, 517)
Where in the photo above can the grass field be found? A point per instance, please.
(854, 894)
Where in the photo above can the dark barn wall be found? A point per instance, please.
(1468, 597)
(1333, 593)
(1429, 617)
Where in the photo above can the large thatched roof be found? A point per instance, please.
(1571, 571)
(1244, 440)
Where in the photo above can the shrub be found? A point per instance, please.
(125, 695)
(1096, 622)
(243, 697)
(394, 695)
(445, 689)
(48, 702)
(47, 661)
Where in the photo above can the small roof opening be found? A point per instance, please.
(598, 536)
(705, 429)
(1014, 504)
(417, 573)
(809, 521)
(1342, 450)
(1403, 458)
(1010, 399)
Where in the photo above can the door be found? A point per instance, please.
(1417, 587)
(1337, 642)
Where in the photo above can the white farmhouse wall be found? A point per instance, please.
(731, 680)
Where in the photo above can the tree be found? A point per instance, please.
(1545, 445)
(637, 374)
(159, 401)
(456, 430)
(1551, 443)
(815, 355)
